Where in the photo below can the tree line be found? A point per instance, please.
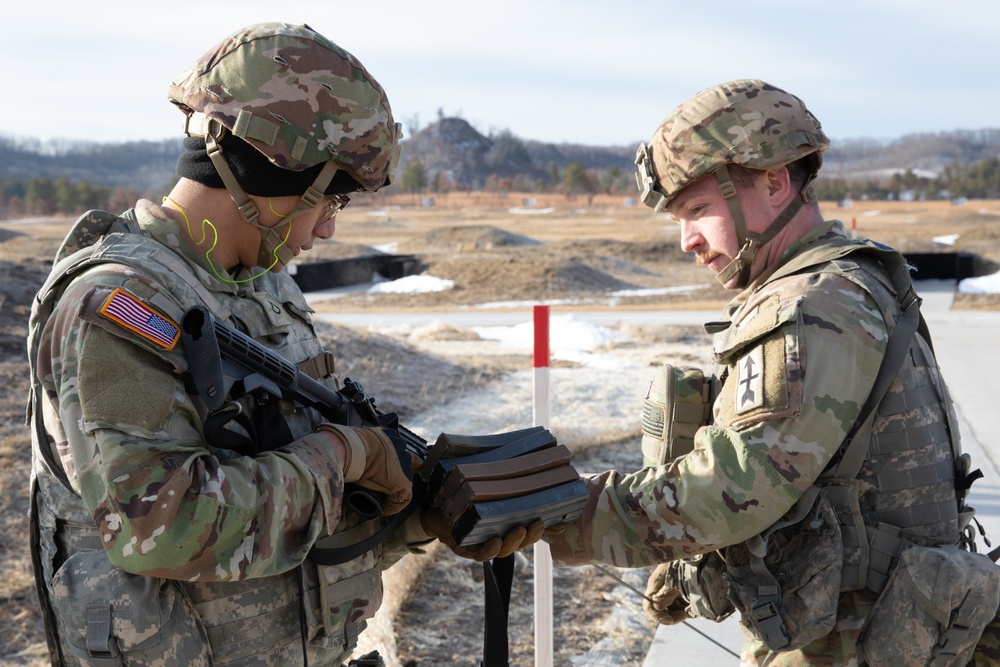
(573, 179)
(979, 180)
(44, 196)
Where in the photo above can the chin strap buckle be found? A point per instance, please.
(646, 180)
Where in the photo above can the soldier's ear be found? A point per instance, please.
(779, 186)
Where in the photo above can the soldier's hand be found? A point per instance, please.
(373, 463)
(517, 538)
(663, 603)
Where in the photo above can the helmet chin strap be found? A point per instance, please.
(272, 245)
(752, 242)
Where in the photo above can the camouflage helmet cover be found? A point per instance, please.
(296, 97)
(746, 122)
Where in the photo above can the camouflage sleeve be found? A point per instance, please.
(163, 503)
(799, 368)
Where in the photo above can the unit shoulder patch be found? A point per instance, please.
(750, 381)
(140, 318)
(763, 355)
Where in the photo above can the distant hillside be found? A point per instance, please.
(927, 153)
(143, 166)
(453, 148)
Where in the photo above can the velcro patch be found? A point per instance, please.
(759, 385)
(750, 381)
(134, 315)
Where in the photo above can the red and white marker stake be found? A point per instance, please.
(542, 556)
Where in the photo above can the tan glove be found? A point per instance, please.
(662, 603)
(373, 463)
(517, 538)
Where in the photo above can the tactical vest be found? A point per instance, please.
(312, 610)
(904, 481)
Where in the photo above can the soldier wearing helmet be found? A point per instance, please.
(746, 125)
(802, 481)
(165, 536)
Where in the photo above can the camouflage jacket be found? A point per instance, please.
(796, 358)
(163, 502)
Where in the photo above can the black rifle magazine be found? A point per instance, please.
(483, 520)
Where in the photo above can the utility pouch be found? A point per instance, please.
(108, 617)
(947, 596)
(344, 596)
(701, 581)
(787, 585)
(677, 404)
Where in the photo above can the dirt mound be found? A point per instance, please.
(475, 237)
(583, 271)
(402, 379)
(653, 252)
(518, 274)
(330, 249)
(988, 230)
(507, 277)
(7, 234)
(18, 283)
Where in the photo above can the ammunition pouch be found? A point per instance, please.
(786, 582)
(702, 583)
(109, 617)
(678, 403)
(948, 597)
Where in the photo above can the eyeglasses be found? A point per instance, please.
(334, 204)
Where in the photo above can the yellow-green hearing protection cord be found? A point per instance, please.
(215, 241)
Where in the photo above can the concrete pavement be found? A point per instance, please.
(966, 344)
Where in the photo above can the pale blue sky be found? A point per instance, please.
(598, 72)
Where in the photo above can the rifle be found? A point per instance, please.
(224, 362)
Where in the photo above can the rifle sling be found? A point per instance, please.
(342, 547)
(498, 576)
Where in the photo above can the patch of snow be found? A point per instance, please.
(412, 285)
(980, 285)
(531, 211)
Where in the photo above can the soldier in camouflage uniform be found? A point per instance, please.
(744, 502)
(158, 539)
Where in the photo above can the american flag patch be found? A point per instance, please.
(136, 316)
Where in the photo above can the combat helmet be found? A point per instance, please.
(300, 100)
(746, 122)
